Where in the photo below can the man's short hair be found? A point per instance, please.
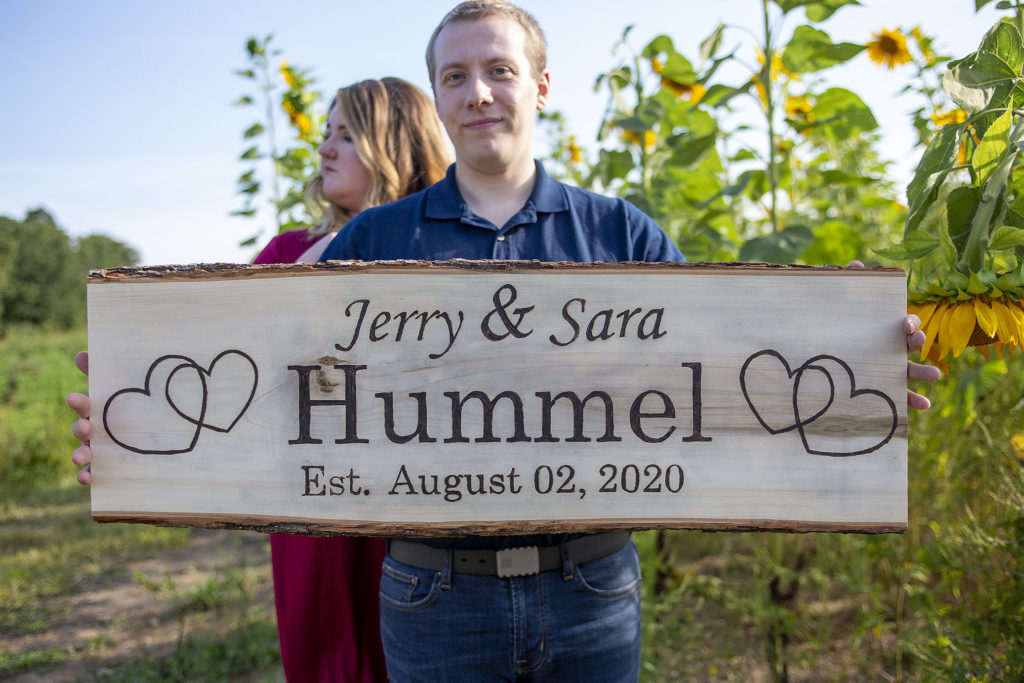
(474, 10)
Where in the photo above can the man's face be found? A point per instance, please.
(486, 94)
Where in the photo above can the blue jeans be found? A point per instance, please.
(579, 623)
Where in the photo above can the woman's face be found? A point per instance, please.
(346, 180)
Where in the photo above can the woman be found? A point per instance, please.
(383, 141)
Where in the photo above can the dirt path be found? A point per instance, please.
(141, 614)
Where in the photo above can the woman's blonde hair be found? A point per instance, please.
(398, 138)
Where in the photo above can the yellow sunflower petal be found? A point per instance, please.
(986, 318)
(923, 311)
(999, 350)
(961, 326)
(1017, 311)
(1017, 441)
(941, 326)
(1006, 322)
(931, 328)
(984, 350)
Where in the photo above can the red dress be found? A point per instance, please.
(325, 589)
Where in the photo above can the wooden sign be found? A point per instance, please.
(407, 398)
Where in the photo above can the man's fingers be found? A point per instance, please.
(915, 400)
(928, 373)
(80, 404)
(912, 328)
(82, 362)
(915, 341)
(82, 456)
(82, 430)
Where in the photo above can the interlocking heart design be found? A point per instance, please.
(821, 397)
(193, 398)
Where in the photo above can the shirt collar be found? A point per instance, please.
(444, 201)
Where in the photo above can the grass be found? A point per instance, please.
(52, 549)
(250, 647)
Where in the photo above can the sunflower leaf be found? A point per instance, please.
(1011, 279)
(971, 98)
(936, 163)
(817, 10)
(993, 147)
(811, 49)
(710, 45)
(1006, 237)
(972, 82)
(975, 286)
(961, 205)
(846, 113)
(915, 245)
(784, 246)
(1003, 41)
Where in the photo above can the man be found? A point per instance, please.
(579, 617)
(445, 613)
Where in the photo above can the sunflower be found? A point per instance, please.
(799, 108)
(1017, 441)
(297, 118)
(773, 74)
(287, 74)
(685, 91)
(944, 118)
(689, 91)
(983, 321)
(924, 43)
(575, 153)
(889, 48)
(634, 138)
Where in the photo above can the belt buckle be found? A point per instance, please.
(524, 561)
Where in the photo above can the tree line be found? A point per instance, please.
(43, 271)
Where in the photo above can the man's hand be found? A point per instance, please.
(915, 340)
(929, 373)
(82, 428)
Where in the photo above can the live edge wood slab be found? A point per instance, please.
(499, 397)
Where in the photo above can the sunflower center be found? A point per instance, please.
(889, 45)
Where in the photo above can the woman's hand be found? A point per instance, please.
(82, 428)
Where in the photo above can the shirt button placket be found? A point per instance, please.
(501, 247)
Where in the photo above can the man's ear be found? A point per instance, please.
(543, 89)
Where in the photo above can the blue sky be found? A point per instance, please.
(116, 115)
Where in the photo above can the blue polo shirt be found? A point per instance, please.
(558, 223)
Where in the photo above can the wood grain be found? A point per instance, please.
(325, 398)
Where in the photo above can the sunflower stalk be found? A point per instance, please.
(973, 257)
(769, 102)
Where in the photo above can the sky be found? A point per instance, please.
(116, 115)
